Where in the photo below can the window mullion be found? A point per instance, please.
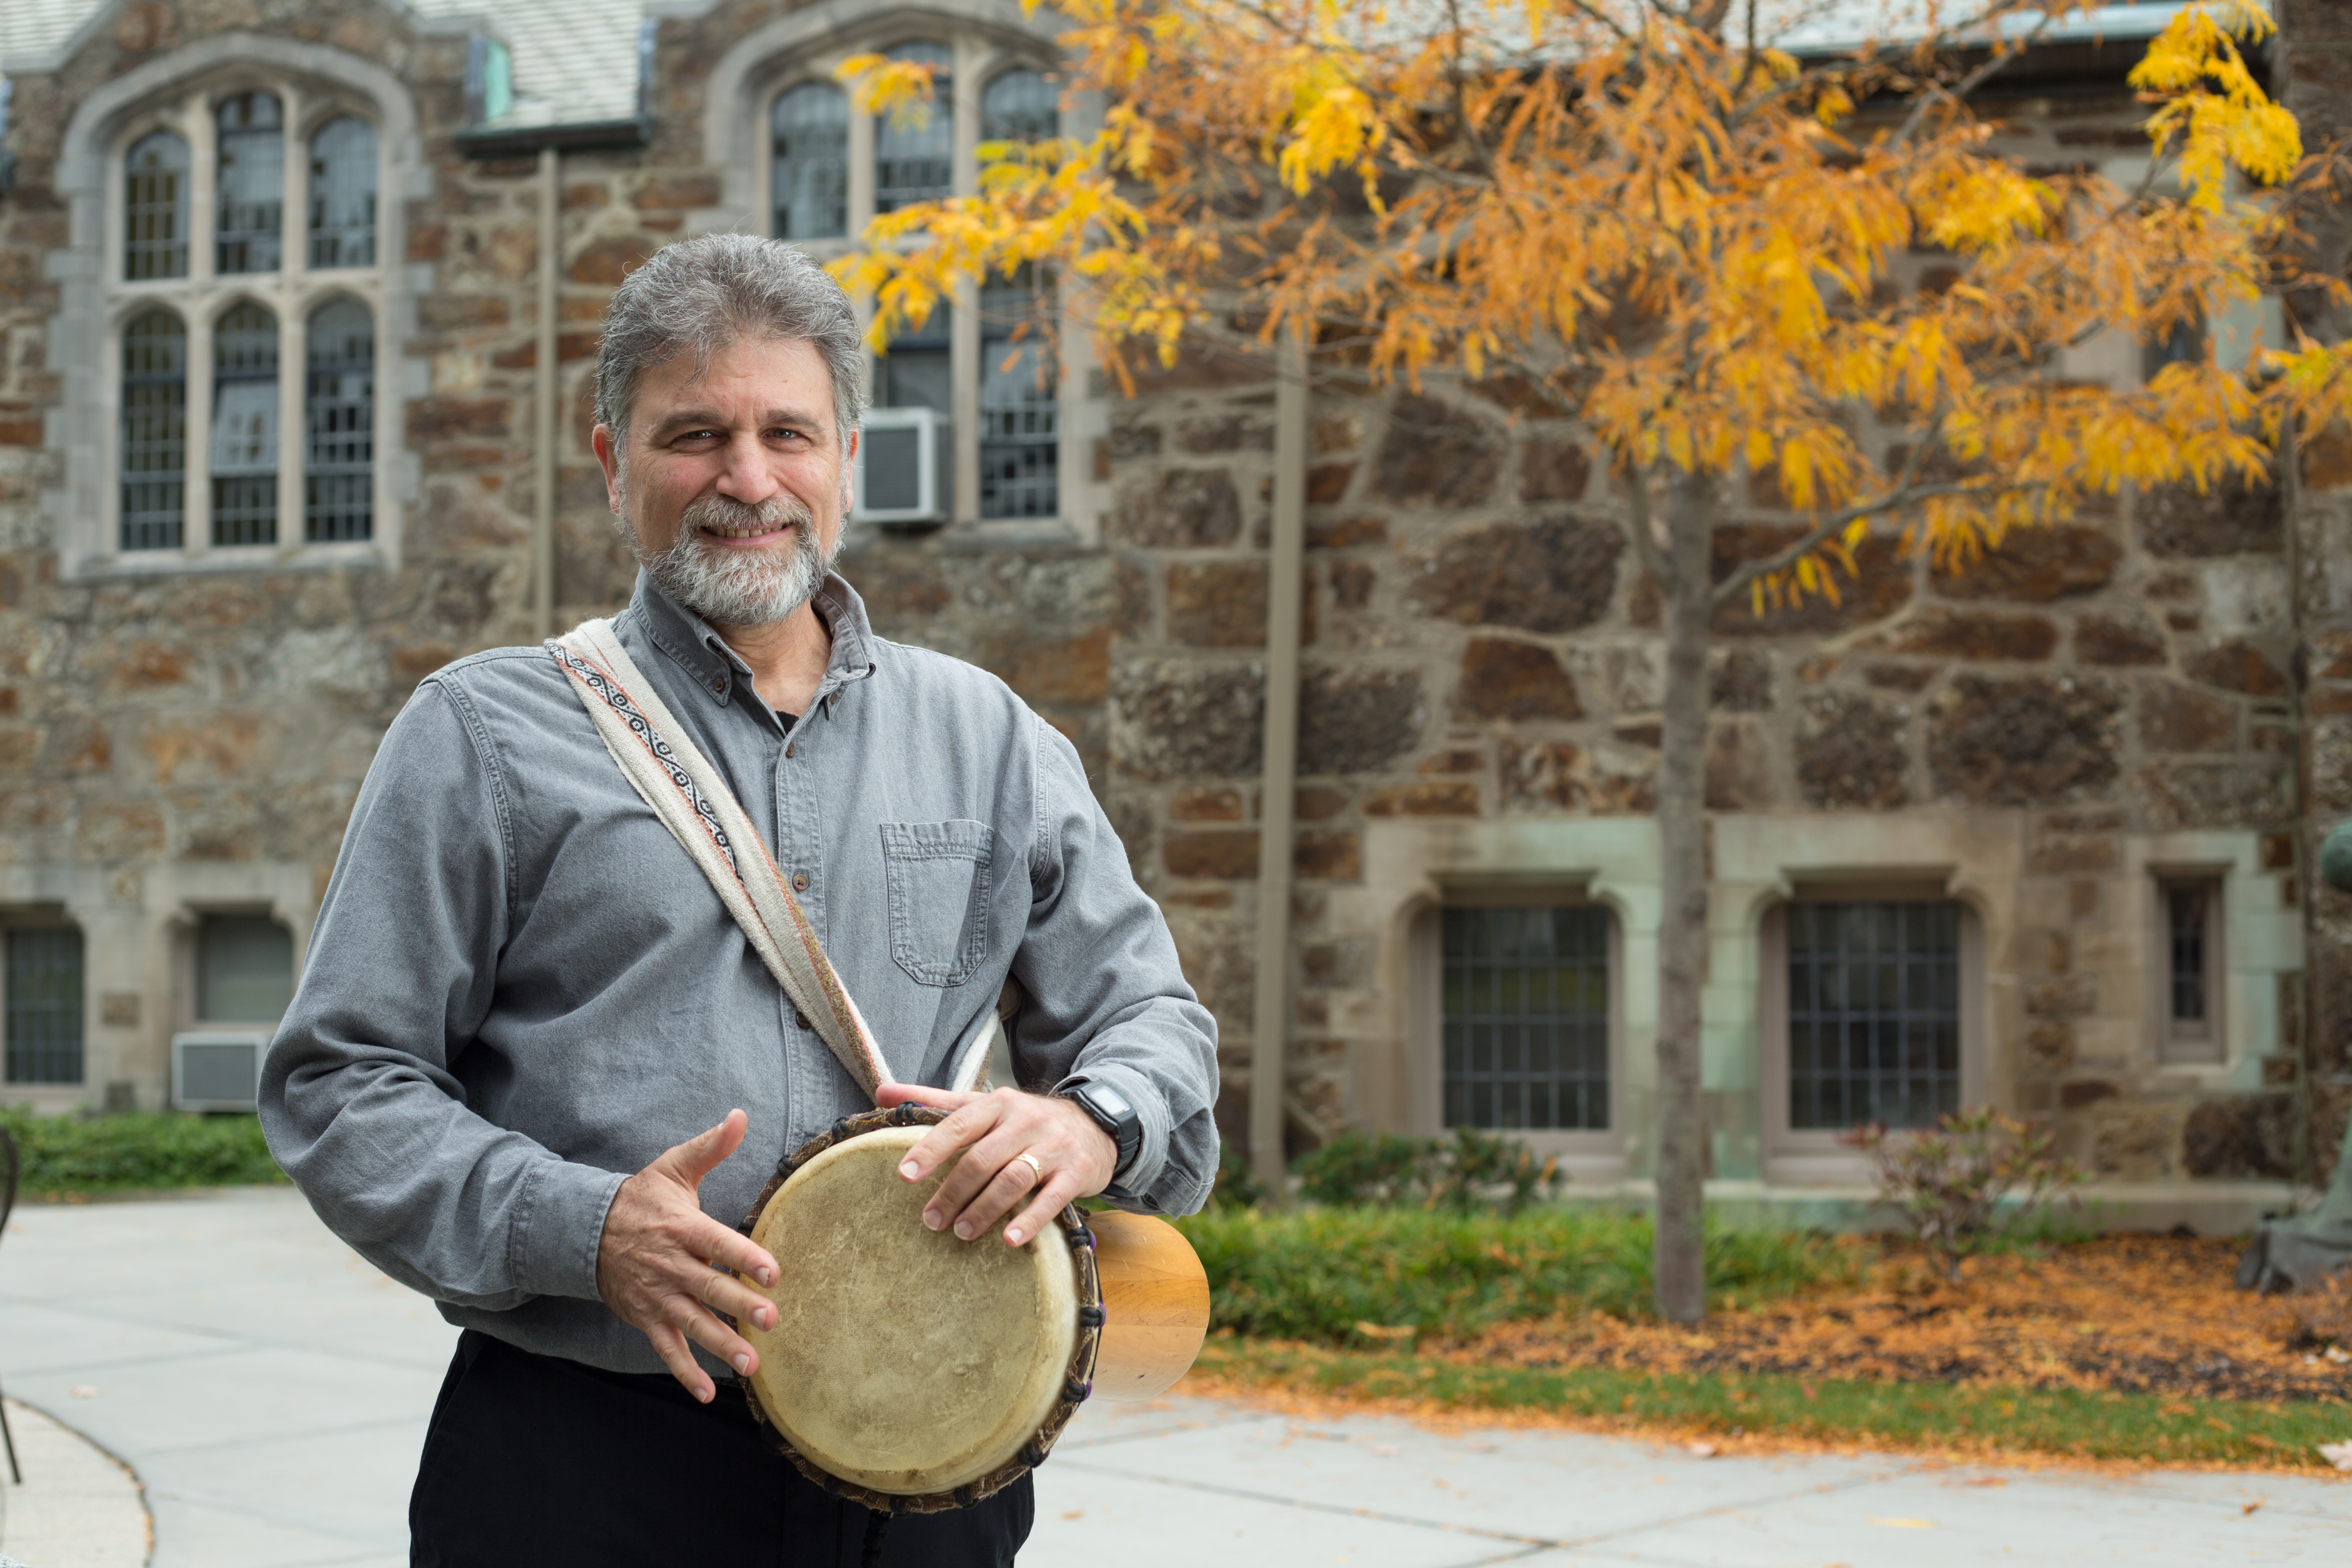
(964, 331)
(203, 188)
(294, 220)
(293, 426)
(196, 532)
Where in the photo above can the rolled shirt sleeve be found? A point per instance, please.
(1107, 999)
(358, 1100)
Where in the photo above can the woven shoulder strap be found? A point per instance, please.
(693, 800)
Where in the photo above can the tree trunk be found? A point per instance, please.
(1679, 1268)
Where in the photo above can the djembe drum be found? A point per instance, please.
(911, 1372)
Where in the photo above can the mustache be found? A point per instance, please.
(779, 511)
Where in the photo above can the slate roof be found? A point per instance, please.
(574, 60)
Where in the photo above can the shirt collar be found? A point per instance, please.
(696, 647)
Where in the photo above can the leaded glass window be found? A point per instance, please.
(915, 373)
(1874, 1013)
(2191, 912)
(244, 969)
(244, 457)
(252, 184)
(1020, 429)
(914, 147)
(812, 161)
(339, 416)
(1525, 1017)
(44, 1005)
(154, 431)
(1020, 105)
(155, 208)
(343, 194)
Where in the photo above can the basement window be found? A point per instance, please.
(2189, 911)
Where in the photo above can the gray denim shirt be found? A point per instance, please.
(519, 989)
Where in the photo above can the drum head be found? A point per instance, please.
(904, 1360)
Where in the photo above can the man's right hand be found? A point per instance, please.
(661, 1265)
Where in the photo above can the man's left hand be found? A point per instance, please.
(1074, 1157)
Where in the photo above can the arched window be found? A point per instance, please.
(155, 207)
(343, 194)
(812, 163)
(154, 431)
(339, 418)
(252, 184)
(1020, 105)
(914, 149)
(245, 427)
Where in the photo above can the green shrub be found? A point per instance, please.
(139, 1149)
(1471, 1170)
(1354, 1276)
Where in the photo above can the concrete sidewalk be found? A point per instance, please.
(270, 1391)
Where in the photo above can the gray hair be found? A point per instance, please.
(706, 294)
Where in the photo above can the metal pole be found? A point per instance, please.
(543, 423)
(1285, 578)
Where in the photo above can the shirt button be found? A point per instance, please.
(720, 687)
(800, 1018)
(788, 750)
(800, 881)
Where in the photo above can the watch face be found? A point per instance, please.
(1110, 1100)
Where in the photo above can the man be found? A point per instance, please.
(521, 989)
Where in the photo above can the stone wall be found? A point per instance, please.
(1482, 679)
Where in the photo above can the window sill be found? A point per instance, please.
(228, 558)
(968, 538)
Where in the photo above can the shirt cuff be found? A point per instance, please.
(559, 1224)
(1150, 1104)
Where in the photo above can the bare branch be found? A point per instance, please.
(1820, 533)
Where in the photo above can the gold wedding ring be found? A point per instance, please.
(1037, 1169)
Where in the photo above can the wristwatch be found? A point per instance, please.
(1113, 1114)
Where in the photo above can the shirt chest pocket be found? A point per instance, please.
(938, 874)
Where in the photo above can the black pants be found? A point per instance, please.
(535, 1460)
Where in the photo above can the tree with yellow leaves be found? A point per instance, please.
(1653, 223)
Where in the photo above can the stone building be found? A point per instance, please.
(298, 301)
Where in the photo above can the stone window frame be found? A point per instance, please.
(179, 92)
(2170, 1045)
(987, 37)
(1809, 1157)
(1586, 1155)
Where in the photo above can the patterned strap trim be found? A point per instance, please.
(600, 683)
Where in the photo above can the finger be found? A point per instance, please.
(891, 1094)
(1013, 1182)
(968, 1124)
(715, 1243)
(700, 1155)
(725, 1293)
(978, 1167)
(718, 1339)
(670, 1345)
(1059, 1191)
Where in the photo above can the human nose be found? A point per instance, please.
(746, 476)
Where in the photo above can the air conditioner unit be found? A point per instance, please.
(902, 473)
(218, 1069)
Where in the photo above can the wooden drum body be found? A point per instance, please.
(913, 1371)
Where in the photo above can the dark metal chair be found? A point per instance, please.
(9, 1169)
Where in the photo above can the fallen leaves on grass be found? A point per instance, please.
(2127, 1314)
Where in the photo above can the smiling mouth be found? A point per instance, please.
(758, 530)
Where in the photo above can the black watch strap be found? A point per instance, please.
(1113, 1114)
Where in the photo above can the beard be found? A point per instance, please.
(738, 587)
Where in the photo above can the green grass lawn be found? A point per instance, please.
(137, 1152)
(2062, 1422)
(1314, 1274)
